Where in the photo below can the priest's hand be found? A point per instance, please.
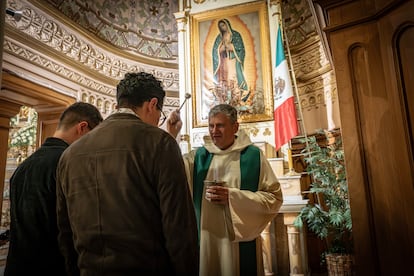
(217, 195)
(174, 123)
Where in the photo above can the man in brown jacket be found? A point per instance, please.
(123, 203)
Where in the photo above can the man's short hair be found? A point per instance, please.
(79, 112)
(137, 88)
(226, 109)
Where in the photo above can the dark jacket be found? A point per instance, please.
(123, 195)
(33, 248)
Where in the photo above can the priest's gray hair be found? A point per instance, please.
(225, 109)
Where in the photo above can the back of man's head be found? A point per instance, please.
(79, 112)
(137, 88)
(225, 109)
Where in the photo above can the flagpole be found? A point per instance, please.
(293, 77)
(295, 87)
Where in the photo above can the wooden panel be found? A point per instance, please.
(47, 129)
(405, 56)
(4, 136)
(7, 110)
(375, 91)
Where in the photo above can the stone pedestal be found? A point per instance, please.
(292, 204)
(297, 248)
(277, 166)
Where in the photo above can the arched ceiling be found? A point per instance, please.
(148, 28)
(141, 27)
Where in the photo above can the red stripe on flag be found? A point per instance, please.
(286, 126)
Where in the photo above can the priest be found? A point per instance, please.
(242, 196)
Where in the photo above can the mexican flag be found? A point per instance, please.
(286, 125)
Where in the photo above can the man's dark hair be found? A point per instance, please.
(79, 112)
(226, 109)
(137, 88)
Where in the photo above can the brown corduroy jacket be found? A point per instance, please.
(123, 203)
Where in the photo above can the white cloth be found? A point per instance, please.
(246, 215)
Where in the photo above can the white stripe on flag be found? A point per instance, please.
(285, 111)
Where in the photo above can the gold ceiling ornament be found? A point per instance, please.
(199, 1)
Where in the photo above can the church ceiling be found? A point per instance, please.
(143, 27)
(148, 27)
(298, 22)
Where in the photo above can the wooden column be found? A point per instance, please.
(7, 110)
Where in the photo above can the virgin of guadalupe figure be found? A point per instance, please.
(228, 64)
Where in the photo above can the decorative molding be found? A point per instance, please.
(314, 94)
(170, 80)
(182, 20)
(145, 28)
(310, 62)
(44, 62)
(107, 104)
(173, 102)
(67, 43)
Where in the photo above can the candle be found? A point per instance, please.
(216, 174)
(290, 160)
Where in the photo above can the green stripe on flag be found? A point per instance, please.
(280, 54)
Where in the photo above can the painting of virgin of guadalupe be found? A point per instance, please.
(228, 62)
(233, 71)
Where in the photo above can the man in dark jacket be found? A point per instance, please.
(33, 248)
(123, 200)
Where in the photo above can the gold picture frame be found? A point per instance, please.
(231, 62)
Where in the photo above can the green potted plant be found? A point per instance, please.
(328, 212)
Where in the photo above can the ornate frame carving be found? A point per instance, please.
(250, 21)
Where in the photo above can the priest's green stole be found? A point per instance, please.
(250, 172)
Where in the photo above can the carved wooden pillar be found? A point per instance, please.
(7, 110)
